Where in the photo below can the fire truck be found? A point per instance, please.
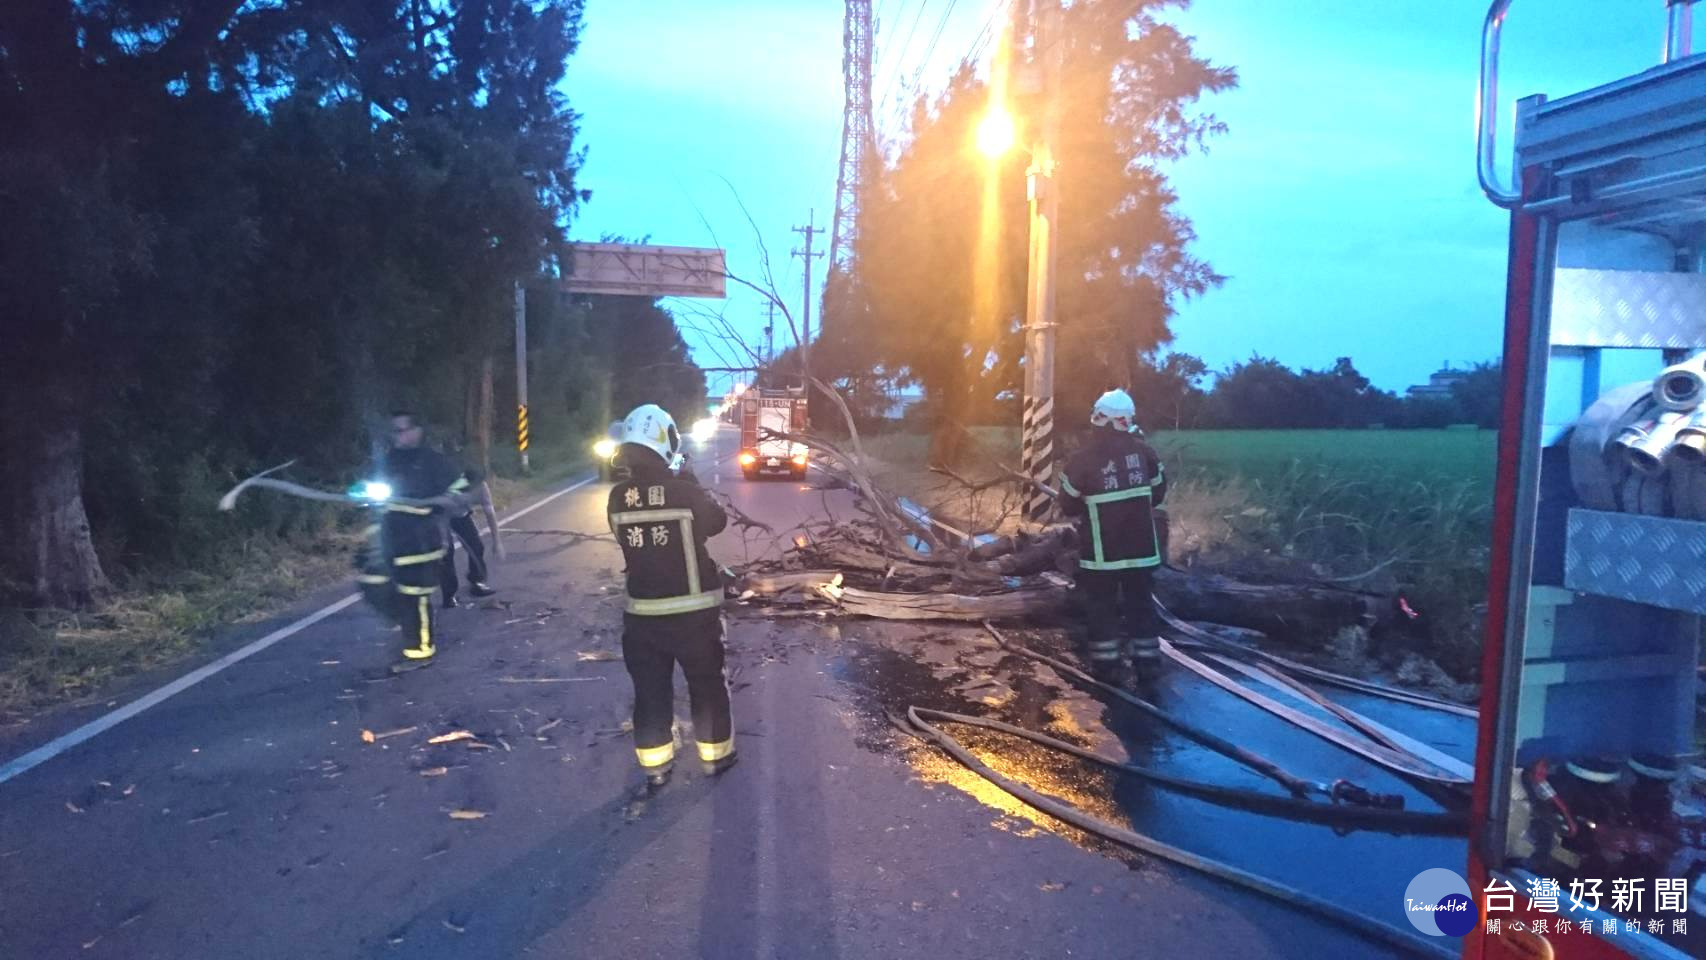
(767, 416)
(1586, 760)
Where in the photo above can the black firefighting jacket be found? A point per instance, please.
(662, 521)
(1113, 485)
(415, 533)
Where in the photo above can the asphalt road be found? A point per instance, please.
(246, 816)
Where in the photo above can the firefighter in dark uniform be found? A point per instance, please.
(1112, 486)
(400, 565)
(674, 598)
(471, 483)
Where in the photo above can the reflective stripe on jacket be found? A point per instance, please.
(661, 522)
(1112, 486)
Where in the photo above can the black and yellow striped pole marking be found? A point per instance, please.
(521, 433)
(521, 372)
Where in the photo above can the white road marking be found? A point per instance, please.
(95, 728)
(524, 511)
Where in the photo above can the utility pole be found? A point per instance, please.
(810, 231)
(1037, 457)
(521, 373)
(770, 335)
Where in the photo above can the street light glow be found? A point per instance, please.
(995, 132)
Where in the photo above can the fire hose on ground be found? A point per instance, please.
(1288, 895)
(1375, 816)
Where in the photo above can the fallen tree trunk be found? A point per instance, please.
(844, 554)
(776, 584)
(1290, 612)
(946, 606)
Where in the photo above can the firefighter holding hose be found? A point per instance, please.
(399, 567)
(661, 520)
(1112, 487)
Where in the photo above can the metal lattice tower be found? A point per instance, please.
(857, 135)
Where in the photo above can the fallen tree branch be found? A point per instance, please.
(1021, 602)
(776, 584)
(740, 518)
(1029, 481)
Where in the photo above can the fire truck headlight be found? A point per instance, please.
(604, 449)
(747, 458)
(800, 459)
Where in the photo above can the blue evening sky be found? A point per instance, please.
(1342, 203)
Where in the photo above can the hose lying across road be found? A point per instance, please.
(1290, 896)
(1371, 818)
(1295, 807)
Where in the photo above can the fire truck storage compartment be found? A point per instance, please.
(1609, 661)
(1608, 666)
(1601, 639)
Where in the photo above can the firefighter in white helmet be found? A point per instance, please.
(1112, 486)
(661, 520)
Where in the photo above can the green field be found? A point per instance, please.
(1388, 510)
(1451, 456)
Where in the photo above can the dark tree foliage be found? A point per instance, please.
(238, 233)
(1263, 393)
(941, 293)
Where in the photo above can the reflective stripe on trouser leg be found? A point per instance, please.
(1145, 648)
(712, 752)
(422, 627)
(415, 585)
(1101, 611)
(699, 647)
(653, 757)
(652, 671)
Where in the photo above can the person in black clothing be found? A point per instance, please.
(1112, 486)
(400, 566)
(674, 597)
(473, 483)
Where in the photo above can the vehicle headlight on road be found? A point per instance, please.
(800, 459)
(747, 458)
(705, 429)
(604, 448)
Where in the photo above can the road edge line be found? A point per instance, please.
(107, 721)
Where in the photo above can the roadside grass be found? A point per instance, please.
(1388, 511)
(49, 656)
(154, 619)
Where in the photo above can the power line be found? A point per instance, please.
(941, 25)
(981, 41)
(900, 57)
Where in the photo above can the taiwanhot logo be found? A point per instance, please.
(1438, 902)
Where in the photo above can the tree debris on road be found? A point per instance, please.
(368, 736)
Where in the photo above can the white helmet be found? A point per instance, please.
(649, 426)
(1114, 407)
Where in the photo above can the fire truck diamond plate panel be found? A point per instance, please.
(1651, 560)
(1628, 308)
